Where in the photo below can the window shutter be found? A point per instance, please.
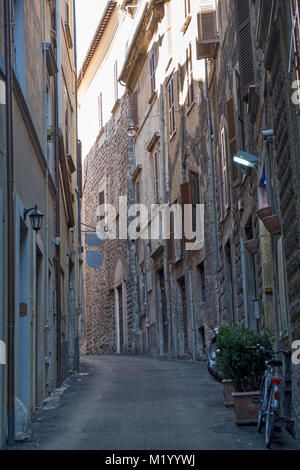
(233, 144)
(207, 29)
(134, 109)
(247, 72)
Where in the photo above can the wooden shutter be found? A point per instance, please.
(195, 195)
(233, 143)
(247, 73)
(134, 109)
(207, 29)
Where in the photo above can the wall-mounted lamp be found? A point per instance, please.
(246, 159)
(131, 130)
(36, 218)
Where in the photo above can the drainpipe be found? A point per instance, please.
(78, 164)
(212, 182)
(165, 195)
(57, 219)
(10, 228)
(46, 303)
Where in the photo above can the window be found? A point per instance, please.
(100, 111)
(245, 45)
(116, 81)
(187, 7)
(152, 72)
(67, 136)
(195, 197)
(171, 102)
(225, 183)
(189, 75)
(68, 23)
(19, 51)
(138, 191)
(201, 284)
(232, 131)
(156, 175)
(67, 12)
(101, 203)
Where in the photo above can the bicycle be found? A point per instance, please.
(271, 393)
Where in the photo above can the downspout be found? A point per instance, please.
(10, 228)
(78, 164)
(46, 182)
(165, 196)
(57, 220)
(212, 182)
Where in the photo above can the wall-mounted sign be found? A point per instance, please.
(91, 239)
(94, 259)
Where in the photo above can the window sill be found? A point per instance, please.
(190, 108)
(116, 107)
(172, 135)
(152, 97)
(186, 24)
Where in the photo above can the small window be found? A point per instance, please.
(156, 175)
(152, 72)
(225, 181)
(171, 102)
(189, 75)
(138, 191)
(101, 203)
(195, 197)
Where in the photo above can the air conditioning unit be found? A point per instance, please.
(208, 36)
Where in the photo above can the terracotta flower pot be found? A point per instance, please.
(246, 412)
(264, 212)
(228, 390)
(272, 224)
(251, 246)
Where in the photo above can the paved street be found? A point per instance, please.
(140, 403)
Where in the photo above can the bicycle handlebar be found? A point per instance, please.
(267, 351)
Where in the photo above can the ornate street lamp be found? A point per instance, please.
(36, 218)
(131, 130)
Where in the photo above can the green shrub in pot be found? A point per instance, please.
(245, 368)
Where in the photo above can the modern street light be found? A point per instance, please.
(36, 218)
(246, 159)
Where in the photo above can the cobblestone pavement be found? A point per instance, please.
(141, 403)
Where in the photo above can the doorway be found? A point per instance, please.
(164, 315)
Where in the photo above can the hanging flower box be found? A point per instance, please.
(272, 224)
(264, 212)
(251, 246)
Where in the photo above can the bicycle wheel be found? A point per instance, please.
(263, 398)
(270, 421)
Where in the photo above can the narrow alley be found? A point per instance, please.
(136, 403)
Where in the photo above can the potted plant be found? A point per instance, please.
(244, 367)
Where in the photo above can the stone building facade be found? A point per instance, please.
(40, 294)
(203, 83)
(250, 90)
